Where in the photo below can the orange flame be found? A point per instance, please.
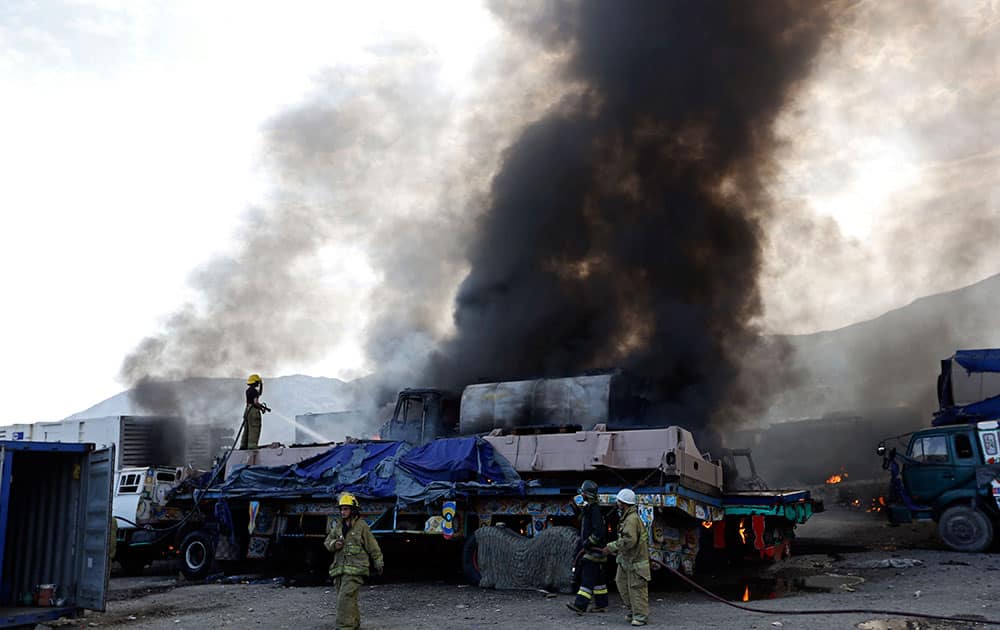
(746, 593)
(743, 531)
(877, 505)
(837, 478)
(706, 524)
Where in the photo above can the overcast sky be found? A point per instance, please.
(132, 150)
(131, 135)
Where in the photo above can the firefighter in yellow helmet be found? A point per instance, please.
(354, 548)
(252, 413)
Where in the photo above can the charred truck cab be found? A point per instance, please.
(950, 473)
(421, 415)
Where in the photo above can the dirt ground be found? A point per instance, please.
(837, 568)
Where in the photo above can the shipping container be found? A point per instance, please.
(138, 440)
(55, 515)
(16, 432)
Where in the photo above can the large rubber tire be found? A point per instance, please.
(964, 528)
(197, 555)
(470, 560)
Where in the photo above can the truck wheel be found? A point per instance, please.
(964, 528)
(197, 555)
(470, 560)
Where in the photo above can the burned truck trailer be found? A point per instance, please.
(496, 495)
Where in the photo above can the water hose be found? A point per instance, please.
(822, 611)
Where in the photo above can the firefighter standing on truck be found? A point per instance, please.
(353, 547)
(252, 413)
(632, 548)
(593, 584)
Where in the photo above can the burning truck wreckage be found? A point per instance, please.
(494, 473)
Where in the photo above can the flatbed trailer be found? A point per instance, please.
(276, 522)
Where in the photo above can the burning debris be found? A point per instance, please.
(837, 478)
(877, 505)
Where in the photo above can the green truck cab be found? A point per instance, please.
(949, 474)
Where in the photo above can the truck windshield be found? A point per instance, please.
(930, 450)
(413, 410)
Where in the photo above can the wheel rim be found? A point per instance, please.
(195, 555)
(962, 530)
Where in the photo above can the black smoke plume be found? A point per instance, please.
(625, 227)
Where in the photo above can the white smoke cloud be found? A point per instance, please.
(890, 177)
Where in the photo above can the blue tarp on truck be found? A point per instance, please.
(983, 361)
(443, 468)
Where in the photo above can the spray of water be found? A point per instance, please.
(319, 437)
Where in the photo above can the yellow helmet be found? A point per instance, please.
(348, 499)
(253, 379)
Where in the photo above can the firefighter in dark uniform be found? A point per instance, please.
(252, 413)
(593, 585)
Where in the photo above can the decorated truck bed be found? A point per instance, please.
(515, 526)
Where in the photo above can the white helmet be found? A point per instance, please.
(626, 496)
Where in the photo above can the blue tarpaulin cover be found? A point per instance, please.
(974, 362)
(444, 468)
(978, 360)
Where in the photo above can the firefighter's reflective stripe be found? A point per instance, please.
(586, 592)
(601, 590)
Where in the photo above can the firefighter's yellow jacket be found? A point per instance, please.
(632, 546)
(360, 548)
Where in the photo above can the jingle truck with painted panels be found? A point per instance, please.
(497, 490)
(950, 473)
